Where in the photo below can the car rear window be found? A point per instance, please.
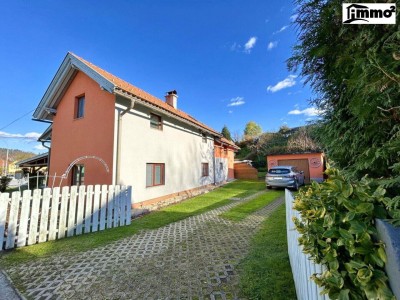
(279, 171)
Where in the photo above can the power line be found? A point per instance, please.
(17, 119)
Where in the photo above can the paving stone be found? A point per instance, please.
(194, 258)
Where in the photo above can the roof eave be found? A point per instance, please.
(123, 93)
(63, 77)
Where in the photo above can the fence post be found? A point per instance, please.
(3, 215)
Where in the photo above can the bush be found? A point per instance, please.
(260, 164)
(338, 230)
(4, 181)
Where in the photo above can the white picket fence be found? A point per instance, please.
(302, 267)
(50, 214)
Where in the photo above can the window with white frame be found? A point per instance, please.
(78, 175)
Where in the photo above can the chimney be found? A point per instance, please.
(171, 98)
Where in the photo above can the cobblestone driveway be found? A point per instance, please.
(191, 259)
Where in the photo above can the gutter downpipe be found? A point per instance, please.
(214, 163)
(48, 160)
(120, 115)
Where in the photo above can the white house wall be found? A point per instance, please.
(178, 145)
(221, 174)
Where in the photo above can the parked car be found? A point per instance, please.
(284, 176)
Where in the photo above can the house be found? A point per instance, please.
(103, 130)
(312, 163)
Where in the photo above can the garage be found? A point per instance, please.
(312, 164)
(300, 164)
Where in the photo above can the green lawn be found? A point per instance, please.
(265, 273)
(242, 210)
(197, 205)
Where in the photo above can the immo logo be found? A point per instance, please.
(369, 13)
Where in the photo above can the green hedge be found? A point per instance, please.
(338, 230)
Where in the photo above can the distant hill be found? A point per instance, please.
(15, 155)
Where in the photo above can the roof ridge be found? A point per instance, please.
(131, 89)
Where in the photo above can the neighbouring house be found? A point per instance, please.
(106, 131)
(313, 164)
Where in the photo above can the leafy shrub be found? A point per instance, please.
(4, 181)
(338, 231)
(260, 164)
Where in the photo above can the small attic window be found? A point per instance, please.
(204, 137)
(80, 107)
(155, 121)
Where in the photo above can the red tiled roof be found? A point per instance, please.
(230, 143)
(133, 90)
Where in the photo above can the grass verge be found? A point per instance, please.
(265, 273)
(194, 206)
(242, 210)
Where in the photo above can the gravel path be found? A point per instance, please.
(191, 259)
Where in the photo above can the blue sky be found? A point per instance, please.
(226, 59)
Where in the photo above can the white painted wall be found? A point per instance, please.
(179, 146)
(221, 174)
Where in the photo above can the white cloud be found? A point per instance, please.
(272, 45)
(235, 46)
(26, 136)
(293, 17)
(285, 83)
(39, 147)
(309, 112)
(230, 111)
(250, 44)
(283, 28)
(237, 101)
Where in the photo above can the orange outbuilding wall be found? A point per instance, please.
(227, 153)
(315, 163)
(91, 135)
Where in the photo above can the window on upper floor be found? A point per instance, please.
(155, 121)
(79, 107)
(155, 174)
(204, 137)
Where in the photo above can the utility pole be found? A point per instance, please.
(7, 163)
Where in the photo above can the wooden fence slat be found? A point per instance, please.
(128, 205)
(88, 208)
(4, 198)
(117, 208)
(96, 209)
(55, 205)
(122, 205)
(24, 218)
(13, 220)
(72, 210)
(110, 206)
(44, 216)
(80, 210)
(103, 207)
(34, 217)
(62, 227)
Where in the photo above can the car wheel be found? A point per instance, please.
(269, 187)
(296, 185)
